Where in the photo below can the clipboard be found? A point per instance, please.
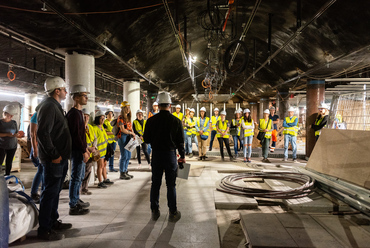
(184, 173)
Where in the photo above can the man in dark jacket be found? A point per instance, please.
(321, 120)
(54, 146)
(165, 133)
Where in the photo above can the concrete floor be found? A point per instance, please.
(120, 215)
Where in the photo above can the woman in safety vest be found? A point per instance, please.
(102, 143)
(139, 127)
(265, 126)
(222, 127)
(236, 123)
(248, 127)
(191, 131)
(111, 139)
(202, 126)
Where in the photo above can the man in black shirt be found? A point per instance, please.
(165, 134)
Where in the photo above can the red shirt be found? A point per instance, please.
(127, 125)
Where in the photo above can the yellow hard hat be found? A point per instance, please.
(124, 104)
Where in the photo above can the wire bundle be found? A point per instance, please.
(228, 185)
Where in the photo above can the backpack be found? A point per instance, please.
(115, 129)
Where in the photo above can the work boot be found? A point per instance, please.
(174, 217)
(102, 185)
(131, 176)
(83, 204)
(155, 214)
(50, 236)
(59, 226)
(124, 176)
(86, 192)
(78, 210)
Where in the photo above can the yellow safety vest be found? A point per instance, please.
(263, 126)
(291, 130)
(180, 115)
(214, 120)
(223, 128)
(317, 122)
(139, 128)
(109, 129)
(205, 132)
(234, 124)
(90, 137)
(248, 132)
(102, 138)
(191, 123)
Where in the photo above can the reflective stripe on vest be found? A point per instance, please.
(109, 129)
(180, 116)
(90, 137)
(291, 130)
(263, 126)
(205, 132)
(139, 128)
(191, 131)
(248, 132)
(234, 124)
(102, 138)
(222, 127)
(214, 121)
(317, 122)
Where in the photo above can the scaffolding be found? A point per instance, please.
(350, 111)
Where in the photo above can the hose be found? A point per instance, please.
(228, 185)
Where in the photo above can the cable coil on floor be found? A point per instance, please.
(228, 185)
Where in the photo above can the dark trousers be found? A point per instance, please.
(221, 142)
(9, 159)
(213, 135)
(164, 161)
(85, 181)
(145, 150)
(265, 148)
(54, 175)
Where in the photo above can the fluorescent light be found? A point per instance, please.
(11, 94)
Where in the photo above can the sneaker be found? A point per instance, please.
(295, 160)
(267, 161)
(124, 176)
(191, 155)
(155, 214)
(50, 236)
(131, 176)
(107, 181)
(174, 217)
(59, 226)
(245, 160)
(83, 204)
(210, 149)
(285, 159)
(86, 192)
(35, 198)
(249, 160)
(78, 210)
(112, 170)
(102, 185)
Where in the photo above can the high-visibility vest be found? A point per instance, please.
(223, 127)
(205, 132)
(248, 132)
(90, 137)
(291, 130)
(102, 138)
(263, 126)
(234, 124)
(317, 122)
(191, 122)
(139, 128)
(109, 129)
(180, 115)
(214, 120)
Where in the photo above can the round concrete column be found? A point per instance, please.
(131, 93)
(30, 103)
(80, 69)
(254, 111)
(315, 95)
(282, 103)
(264, 104)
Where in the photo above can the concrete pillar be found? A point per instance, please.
(315, 95)
(197, 109)
(80, 69)
(254, 111)
(131, 93)
(210, 110)
(282, 103)
(264, 104)
(30, 103)
(224, 106)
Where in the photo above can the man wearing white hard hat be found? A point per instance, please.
(321, 119)
(164, 132)
(235, 131)
(265, 126)
(223, 127)
(202, 126)
(177, 113)
(80, 153)
(54, 149)
(214, 119)
(290, 134)
(139, 127)
(109, 114)
(191, 132)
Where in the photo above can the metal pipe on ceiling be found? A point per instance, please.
(347, 80)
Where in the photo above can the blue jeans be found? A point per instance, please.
(77, 175)
(111, 159)
(293, 140)
(213, 135)
(39, 178)
(125, 154)
(236, 138)
(54, 175)
(164, 161)
(247, 150)
(190, 144)
(186, 143)
(149, 147)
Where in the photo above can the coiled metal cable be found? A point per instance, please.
(228, 185)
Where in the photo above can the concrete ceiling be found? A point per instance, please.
(335, 44)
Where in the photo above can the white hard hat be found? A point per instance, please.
(246, 111)
(223, 112)
(164, 98)
(266, 111)
(78, 88)
(216, 109)
(178, 106)
(203, 109)
(323, 106)
(109, 110)
(10, 109)
(291, 109)
(188, 108)
(53, 83)
(99, 113)
(237, 111)
(139, 111)
(85, 111)
(97, 107)
(240, 110)
(192, 110)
